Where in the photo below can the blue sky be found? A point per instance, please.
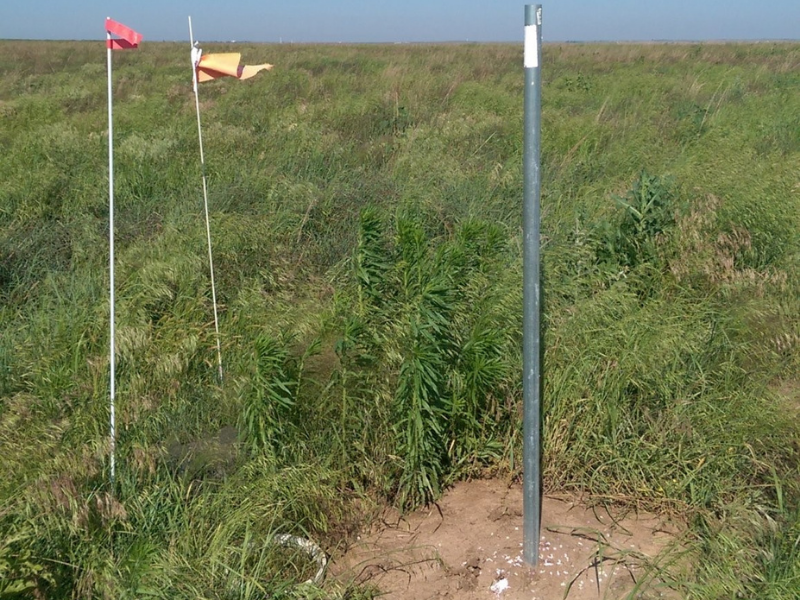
(403, 20)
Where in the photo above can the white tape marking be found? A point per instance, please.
(531, 47)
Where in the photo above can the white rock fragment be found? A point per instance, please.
(499, 586)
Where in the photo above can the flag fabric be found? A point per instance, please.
(126, 39)
(213, 66)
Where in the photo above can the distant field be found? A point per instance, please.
(366, 221)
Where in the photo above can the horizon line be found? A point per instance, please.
(434, 42)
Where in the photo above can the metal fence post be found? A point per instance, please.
(531, 292)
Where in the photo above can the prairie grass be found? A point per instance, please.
(365, 212)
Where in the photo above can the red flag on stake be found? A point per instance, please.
(128, 38)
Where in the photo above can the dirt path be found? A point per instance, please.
(470, 547)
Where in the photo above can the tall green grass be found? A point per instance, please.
(365, 213)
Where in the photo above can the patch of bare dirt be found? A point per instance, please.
(469, 546)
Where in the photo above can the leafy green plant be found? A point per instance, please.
(426, 349)
(413, 292)
(648, 213)
(264, 421)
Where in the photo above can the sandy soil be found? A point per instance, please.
(469, 546)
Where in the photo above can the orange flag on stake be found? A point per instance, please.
(128, 38)
(206, 68)
(213, 66)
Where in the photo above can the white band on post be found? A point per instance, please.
(531, 47)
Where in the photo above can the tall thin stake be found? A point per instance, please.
(205, 202)
(531, 292)
(112, 353)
